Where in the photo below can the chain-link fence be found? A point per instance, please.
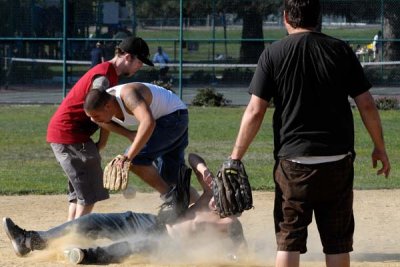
(45, 45)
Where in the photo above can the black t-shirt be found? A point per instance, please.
(310, 76)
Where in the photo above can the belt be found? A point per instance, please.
(180, 112)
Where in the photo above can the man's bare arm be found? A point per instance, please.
(137, 105)
(372, 122)
(250, 125)
(116, 128)
(103, 138)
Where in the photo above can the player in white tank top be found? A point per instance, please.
(161, 136)
(163, 103)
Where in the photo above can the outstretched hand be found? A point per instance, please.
(380, 155)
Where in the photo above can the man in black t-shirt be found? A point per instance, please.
(309, 76)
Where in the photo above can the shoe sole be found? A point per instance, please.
(15, 247)
(74, 255)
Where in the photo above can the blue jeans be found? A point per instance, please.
(132, 233)
(166, 146)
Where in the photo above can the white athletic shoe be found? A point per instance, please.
(74, 256)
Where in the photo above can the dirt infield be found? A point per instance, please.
(377, 236)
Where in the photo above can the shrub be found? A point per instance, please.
(386, 103)
(166, 85)
(208, 97)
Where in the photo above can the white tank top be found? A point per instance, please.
(164, 102)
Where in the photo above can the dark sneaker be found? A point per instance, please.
(74, 256)
(168, 197)
(167, 213)
(177, 200)
(17, 236)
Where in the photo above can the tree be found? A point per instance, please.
(250, 11)
(371, 11)
(251, 14)
(352, 10)
(155, 9)
(391, 30)
(10, 22)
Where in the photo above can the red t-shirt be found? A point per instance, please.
(70, 124)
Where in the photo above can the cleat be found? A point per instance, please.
(17, 236)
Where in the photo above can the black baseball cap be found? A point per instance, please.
(138, 47)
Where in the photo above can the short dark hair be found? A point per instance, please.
(96, 99)
(303, 13)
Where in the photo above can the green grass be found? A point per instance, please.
(204, 34)
(28, 165)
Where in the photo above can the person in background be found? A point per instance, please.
(69, 131)
(162, 58)
(377, 45)
(97, 55)
(310, 76)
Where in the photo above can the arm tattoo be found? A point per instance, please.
(133, 100)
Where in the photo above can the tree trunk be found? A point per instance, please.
(392, 30)
(250, 51)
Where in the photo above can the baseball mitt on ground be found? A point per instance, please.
(116, 173)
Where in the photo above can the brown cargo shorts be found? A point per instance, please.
(325, 189)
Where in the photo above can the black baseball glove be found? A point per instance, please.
(231, 189)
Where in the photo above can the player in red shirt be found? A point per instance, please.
(69, 131)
